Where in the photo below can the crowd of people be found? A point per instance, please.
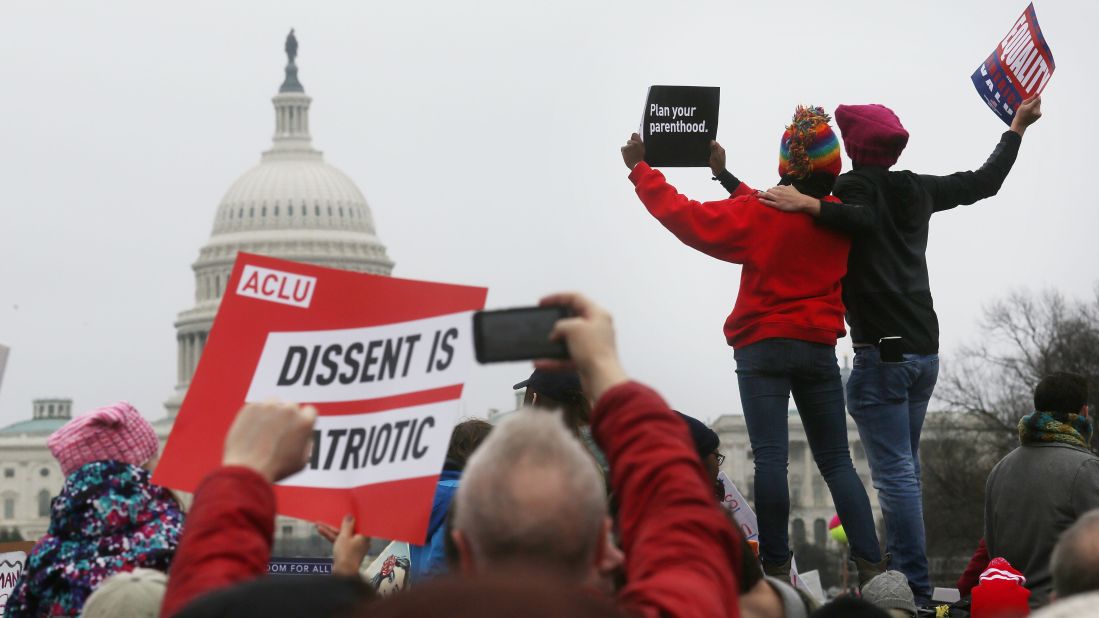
(597, 498)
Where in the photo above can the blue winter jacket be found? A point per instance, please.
(429, 560)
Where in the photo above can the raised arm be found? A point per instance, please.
(719, 229)
(961, 188)
(732, 184)
(681, 550)
(228, 533)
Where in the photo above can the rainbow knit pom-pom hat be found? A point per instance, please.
(809, 146)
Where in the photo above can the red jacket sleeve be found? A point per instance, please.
(972, 575)
(718, 229)
(681, 550)
(226, 539)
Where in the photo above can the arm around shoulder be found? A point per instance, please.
(856, 212)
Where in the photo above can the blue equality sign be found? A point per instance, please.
(1018, 69)
(299, 566)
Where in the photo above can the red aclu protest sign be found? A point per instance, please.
(382, 359)
(1019, 68)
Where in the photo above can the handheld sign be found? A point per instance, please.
(745, 517)
(382, 359)
(1018, 69)
(742, 512)
(388, 574)
(13, 558)
(678, 125)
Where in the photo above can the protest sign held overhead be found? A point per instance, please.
(1019, 68)
(678, 125)
(382, 359)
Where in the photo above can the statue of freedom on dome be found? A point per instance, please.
(291, 46)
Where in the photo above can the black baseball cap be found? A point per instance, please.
(559, 385)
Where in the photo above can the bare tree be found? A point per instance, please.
(983, 392)
(1024, 337)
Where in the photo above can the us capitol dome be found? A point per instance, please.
(292, 205)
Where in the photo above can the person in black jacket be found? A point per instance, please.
(887, 294)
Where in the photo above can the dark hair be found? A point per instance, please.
(574, 406)
(816, 184)
(467, 436)
(1061, 393)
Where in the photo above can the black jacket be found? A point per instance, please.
(886, 290)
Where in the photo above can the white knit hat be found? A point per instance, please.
(131, 594)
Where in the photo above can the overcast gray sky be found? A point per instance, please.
(485, 137)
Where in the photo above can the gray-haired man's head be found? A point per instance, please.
(1075, 560)
(531, 496)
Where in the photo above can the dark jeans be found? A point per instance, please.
(889, 402)
(768, 371)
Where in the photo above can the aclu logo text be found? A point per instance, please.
(276, 286)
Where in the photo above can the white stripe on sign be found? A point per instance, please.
(364, 363)
(362, 449)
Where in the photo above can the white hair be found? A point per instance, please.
(531, 494)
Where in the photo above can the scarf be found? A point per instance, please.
(1042, 427)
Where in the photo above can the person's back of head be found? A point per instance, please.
(873, 136)
(530, 496)
(558, 390)
(287, 596)
(1061, 394)
(890, 591)
(1074, 564)
(809, 153)
(116, 432)
(131, 594)
(466, 437)
(530, 594)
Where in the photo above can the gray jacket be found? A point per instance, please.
(1031, 497)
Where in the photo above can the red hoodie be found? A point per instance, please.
(790, 280)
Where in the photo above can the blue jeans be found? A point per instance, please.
(768, 371)
(889, 402)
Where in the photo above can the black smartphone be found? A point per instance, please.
(517, 334)
(891, 349)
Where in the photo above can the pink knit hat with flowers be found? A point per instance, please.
(872, 134)
(117, 432)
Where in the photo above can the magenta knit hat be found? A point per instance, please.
(872, 134)
(117, 432)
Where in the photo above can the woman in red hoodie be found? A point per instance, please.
(784, 326)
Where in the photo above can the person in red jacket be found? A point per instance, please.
(681, 551)
(784, 325)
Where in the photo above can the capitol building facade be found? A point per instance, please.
(292, 205)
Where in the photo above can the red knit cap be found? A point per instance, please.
(1001, 593)
(117, 432)
(872, 134)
